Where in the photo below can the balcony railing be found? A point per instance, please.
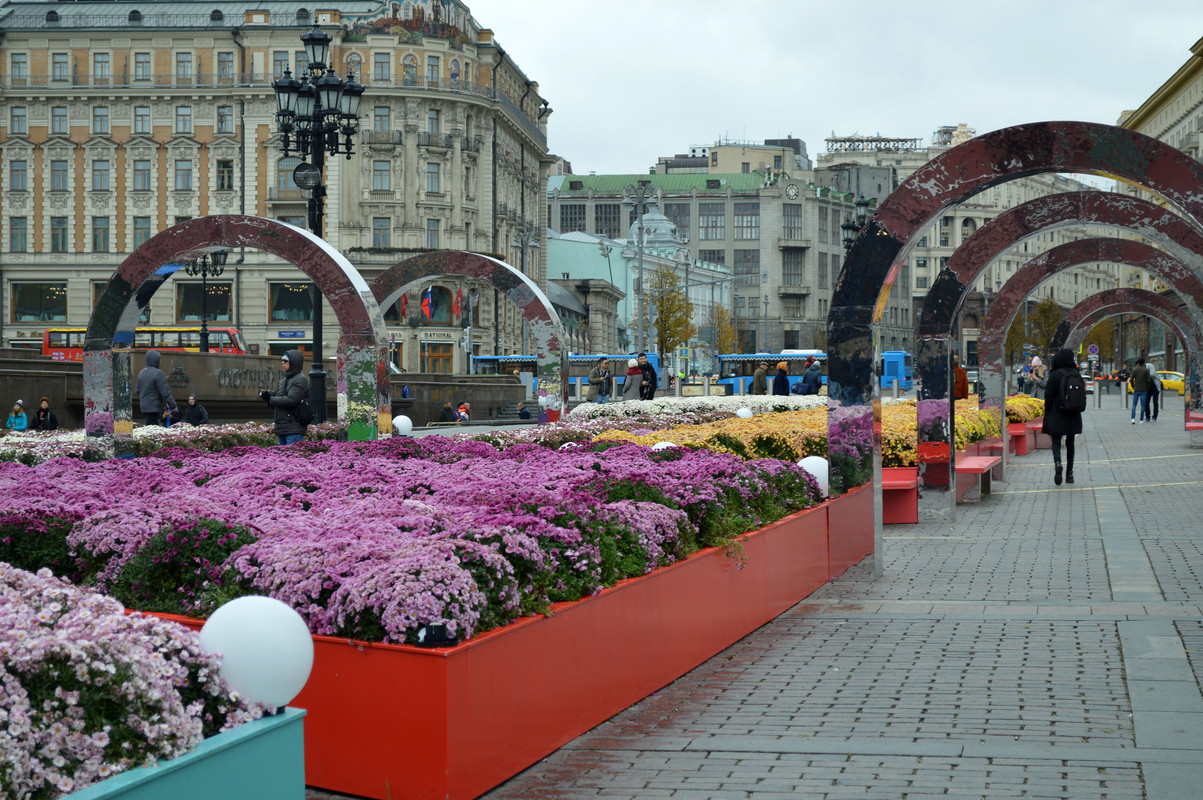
(382, 137)
(436, 140)
(285, 195)
(70, 20)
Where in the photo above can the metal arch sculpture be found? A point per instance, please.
(361, 347)
(879, 251)
(1088, 313)
(547, 332)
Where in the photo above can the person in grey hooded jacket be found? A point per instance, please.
(294, 387)
(152, 391)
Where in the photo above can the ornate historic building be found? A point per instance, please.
(119, 119)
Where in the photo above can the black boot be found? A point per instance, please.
(1057, 474)
(1069, 475)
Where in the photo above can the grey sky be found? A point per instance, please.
(630, 80)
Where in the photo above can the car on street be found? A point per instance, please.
(1172, 381)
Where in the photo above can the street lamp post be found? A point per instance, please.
(851, 228)
(209, 265)
(313, 113)
(526, 238)
(637, 196)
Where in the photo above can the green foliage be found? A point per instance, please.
(32, 544)
(730, 443)
(774, 445)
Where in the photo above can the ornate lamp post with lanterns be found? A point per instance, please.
(317, 114)
(209, 265)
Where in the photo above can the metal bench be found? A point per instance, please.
(974, 476)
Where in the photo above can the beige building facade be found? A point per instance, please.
(119, 120)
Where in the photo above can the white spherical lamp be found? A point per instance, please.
(266, 649)
(402, 425)
(817, 467)
(662, 445)
(744, 413)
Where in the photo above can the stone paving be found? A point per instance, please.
(1046, 644)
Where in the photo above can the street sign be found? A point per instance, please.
(682, 352)
(1093, 349)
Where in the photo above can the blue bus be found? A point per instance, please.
(578, 369)
(736, 369)
(896, 365)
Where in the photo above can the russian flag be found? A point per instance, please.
(459, 295)
(427, 304)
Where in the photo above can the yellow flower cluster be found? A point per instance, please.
(788, 435)
(1022, 408)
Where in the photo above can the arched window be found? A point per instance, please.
(135, 18)
(303, 16)
(284, 173)
(454, 73)
(410, 67)
(216, 16)
(440, 306)
(355, 65)
(968, 226)
(52, 17)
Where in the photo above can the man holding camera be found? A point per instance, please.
(294, 388)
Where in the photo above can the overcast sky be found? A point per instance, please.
(631, 80)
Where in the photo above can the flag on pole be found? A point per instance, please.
(404, 305)
(427, 304)
(474, 298)
(459, 295)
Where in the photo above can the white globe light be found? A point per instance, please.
(266, 649)
(662, 445)
(403, 425)
(817, 466)
(744, 413)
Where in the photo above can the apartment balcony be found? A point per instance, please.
(792, 242)
(793, 291)
(443, 140)
(278, 195)
(382, 137)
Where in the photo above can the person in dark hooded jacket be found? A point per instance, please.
(1058, 422)
(294, 387)
(813, 376)
(152, 391)
(195, 413)
(781, 380)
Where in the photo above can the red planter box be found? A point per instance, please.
(390, 721)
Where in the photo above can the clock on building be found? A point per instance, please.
(791, 191)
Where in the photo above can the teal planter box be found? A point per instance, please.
(262, 760)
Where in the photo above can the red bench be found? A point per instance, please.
(1194, 426)
(1040, 441)
(899, 494)
(1017, 438)
(973, 476)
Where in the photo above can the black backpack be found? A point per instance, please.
(1073, 391)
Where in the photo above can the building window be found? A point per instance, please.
(58, 234)
(58, 176)
(225, 175)
(18, 176)
(776, 162)
(19, 68)
(280, 62)
(432, 70)
(747, 221)
(678, 214)
(142, 175)
(100, 234)
(381, 226)
(217, 305)
(284, 173)
(18, 227)
(572, 217)
(712, 221)
(225, 119)
(60, 67)
(380, 66)
(791, 307)
(381, 120)
(183, 66)
(39, 302)
(713, 256)
(436, 358)
(142, 119)
(183, 119)
(792, 216)
(225, 65)
(142, 67)
(607, 220)
(58, 120)
(382, 176)
(822, 267)
(432, 121)
(100, 119)
(101, 67)
(747, 267)
(920, 281)
(440, 306)
(141, 231)
(409, 65)
(791, 267)
(18, 121)
(823, 225)
(432, 234)
(183, 175)
(290, 302)
(432, 177)
(100, 176)
(302, 62)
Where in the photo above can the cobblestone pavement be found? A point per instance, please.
(1047, 644)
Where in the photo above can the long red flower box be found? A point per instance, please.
(399, 722)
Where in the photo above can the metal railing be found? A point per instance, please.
(72, 20)
(382, 137)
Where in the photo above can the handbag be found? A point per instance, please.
(303, 412)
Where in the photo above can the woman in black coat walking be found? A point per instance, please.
(1057, 421)
(781, 380)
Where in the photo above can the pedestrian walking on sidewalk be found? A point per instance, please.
(1154, 392)
(1142, 384)
(1060, 422)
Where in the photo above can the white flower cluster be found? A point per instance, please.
(758, 404)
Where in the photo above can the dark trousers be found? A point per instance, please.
(155, 419)
(1155, 402)
(1069, 450)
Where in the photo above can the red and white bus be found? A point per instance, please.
(67, 344)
